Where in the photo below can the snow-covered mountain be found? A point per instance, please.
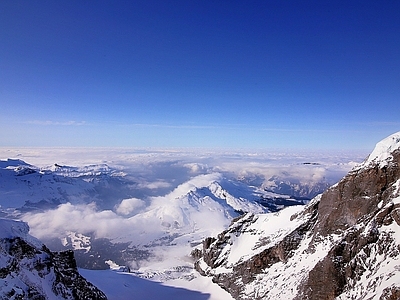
(295, 188)
(27, 187)
(343, 245)
(28, 270)
(136, 231)
(207, 202)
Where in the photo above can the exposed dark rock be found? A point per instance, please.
(32, 272)
(392, 293)
(357, 196)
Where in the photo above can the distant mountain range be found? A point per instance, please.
(26, 187)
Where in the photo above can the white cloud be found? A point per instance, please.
(196, 168)
(57, 123)
(154, 185)
(86, 219)
(129, 206)
(75, 218)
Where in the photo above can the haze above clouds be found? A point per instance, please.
(225, 74)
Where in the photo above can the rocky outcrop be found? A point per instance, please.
(360, 195)
(359, 207)
(344, 245)
(28, 270)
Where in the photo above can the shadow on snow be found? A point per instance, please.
(127, 286)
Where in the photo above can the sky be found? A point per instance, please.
(200, 74)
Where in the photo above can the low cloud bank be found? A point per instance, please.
(160, 177)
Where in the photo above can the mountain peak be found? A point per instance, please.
(383, 150)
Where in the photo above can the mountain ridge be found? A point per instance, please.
(344, 245)
(29, 270)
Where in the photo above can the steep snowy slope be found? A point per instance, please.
(344, 245)
(28, 270)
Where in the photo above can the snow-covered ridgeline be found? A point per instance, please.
(10, 229)
(383, 150)
(30, 271)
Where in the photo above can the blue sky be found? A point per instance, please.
(230, 74)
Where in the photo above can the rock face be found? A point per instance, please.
(344, 245)
(28, 270)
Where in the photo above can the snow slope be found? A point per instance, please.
(117, 285)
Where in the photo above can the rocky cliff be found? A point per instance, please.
(345, 244)
(28, 270)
